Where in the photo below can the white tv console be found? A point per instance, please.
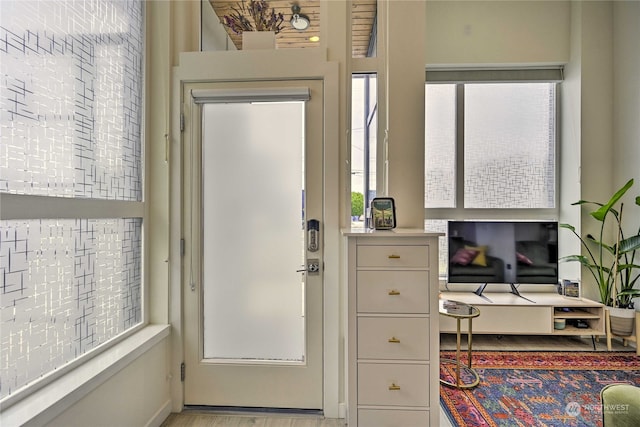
(508, 314)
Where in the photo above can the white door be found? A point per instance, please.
(251, 290)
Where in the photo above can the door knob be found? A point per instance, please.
(313, 267)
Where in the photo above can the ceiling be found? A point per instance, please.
(362, 21)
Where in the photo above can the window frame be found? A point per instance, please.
(462, 77)
(371, 124)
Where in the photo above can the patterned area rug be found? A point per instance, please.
(535, 388)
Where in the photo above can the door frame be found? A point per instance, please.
(286, 64)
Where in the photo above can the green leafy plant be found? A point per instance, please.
(357, 204)
(612, 265)
(254, 15)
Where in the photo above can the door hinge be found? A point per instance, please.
(182, 373)
(182, 247)
(181, 122)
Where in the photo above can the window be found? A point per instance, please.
(71, 183)
(364, 122)
(490, 151)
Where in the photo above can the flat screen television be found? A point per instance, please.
(510, 252)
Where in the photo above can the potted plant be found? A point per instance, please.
(612, 265)
(254, 18)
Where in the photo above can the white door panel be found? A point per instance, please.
(253, 321)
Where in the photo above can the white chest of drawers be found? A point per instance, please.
(393, 332)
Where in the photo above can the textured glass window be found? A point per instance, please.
(71, 91)
(71, 98)
(67, 286)
(440, 150)
(508, 141)
(509, 145)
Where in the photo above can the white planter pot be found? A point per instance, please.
(622, 320)
(252, 40)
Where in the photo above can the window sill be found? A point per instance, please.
(47, 403)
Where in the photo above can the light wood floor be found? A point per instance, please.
(213, 419)
(192, 418)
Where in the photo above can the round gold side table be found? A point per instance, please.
(459, 310)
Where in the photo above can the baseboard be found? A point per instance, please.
(342, 410)
(161, 415)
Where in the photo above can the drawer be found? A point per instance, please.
(400, 291)
(393, 256)
(393, 338)
(392, 418)
(393, 384)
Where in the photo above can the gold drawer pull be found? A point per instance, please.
(394, 292)
(394, 387)
(394, 340)
(392, 256)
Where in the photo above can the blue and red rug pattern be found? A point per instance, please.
(535, 388)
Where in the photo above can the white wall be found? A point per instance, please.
(626, 90)
(596, 114)
(136, 396)
(570, 134)
(404, 108)
(497, 32)
(626, 106)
